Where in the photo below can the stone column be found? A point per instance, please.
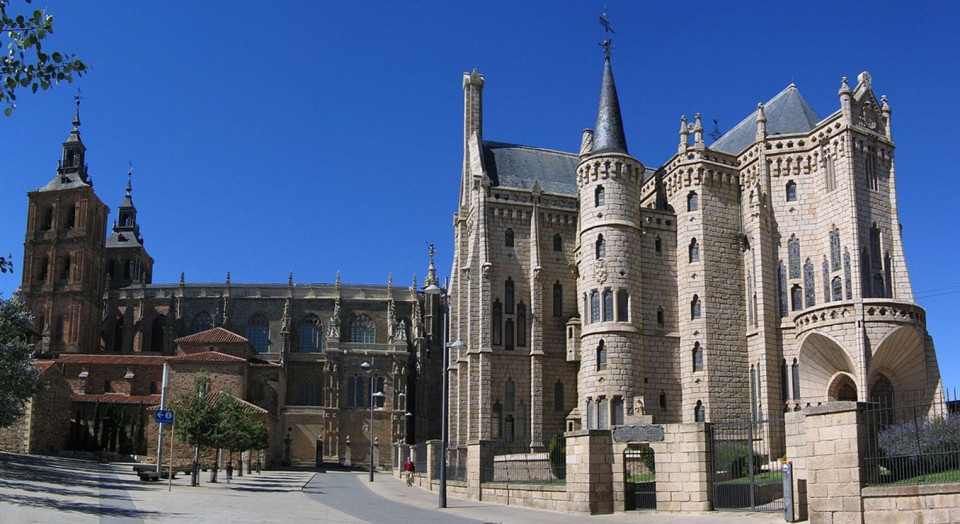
(589, 471)
(796, 446)
(479, 466)
(433, 461)
(683, 468)
(835, 432)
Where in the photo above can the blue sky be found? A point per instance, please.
(269, 137)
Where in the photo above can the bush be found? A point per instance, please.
(558, 456)
(647, 457)
(919, 447)
(732, 458)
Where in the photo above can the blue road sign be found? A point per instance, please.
(163, 416)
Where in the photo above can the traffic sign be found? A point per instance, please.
(163, 416)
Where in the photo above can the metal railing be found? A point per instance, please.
(514, 462)
(912, 440)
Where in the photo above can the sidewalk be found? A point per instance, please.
(395, 489)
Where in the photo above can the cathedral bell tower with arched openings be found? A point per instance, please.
(610, 379)
(63, 254)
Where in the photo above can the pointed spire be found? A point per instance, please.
(608, 134)
(684, 135)
(761, 122)
(697, 130)
(431, 279)
(844, 87)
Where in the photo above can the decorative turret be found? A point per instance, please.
(72, 167)
(846, 96)
(127, 258)
(761, 122)
(885, 108)
(684, 135)
(610, 378)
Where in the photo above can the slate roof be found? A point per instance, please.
(213, 336)
(68, 181)
(512, 165)
(124, 239)
(787, 113)
(608, 136)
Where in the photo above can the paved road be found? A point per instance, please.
(45, 489)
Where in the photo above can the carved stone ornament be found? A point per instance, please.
(600, 271)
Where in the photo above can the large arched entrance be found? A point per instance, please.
(826, 372)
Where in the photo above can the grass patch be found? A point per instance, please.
(762, 477)
(644, 477)
(951, 475)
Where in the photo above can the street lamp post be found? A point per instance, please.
(433, 289)
(368, 367)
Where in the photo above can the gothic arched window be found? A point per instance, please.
(258, 332)
(695, 308)
(836, 289)
(497, 322)
(363, 329)
(599, 198)
(557, 299)
(699, 412)
(508, 238)
(521, 324)
(658, 245)
(782, 288)
(835, 250)
(808, 284)
(557, 242)
(601, 247)
(623, 306)
(508, 296)
(791, 191)
(660, 319)
(795, 378)
(156, 332)
(697, 357)
(694, 250)
(508, 334)
(607, 305)
(601, 355)
(310, 335)
(594, 306)
(509, 395)
(201, 322)
(793, 254)
(693, 201)
(796, 297)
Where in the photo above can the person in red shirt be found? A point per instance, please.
(408, 470)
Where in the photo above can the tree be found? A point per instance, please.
(19, 378)
(25, 63)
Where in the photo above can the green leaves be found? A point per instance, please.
(25, 64)
(19, 378)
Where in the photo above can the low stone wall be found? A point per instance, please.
(931, 503)
(552, 497)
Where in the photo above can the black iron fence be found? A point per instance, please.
(747, 463)
(912, 439)
(640, 481)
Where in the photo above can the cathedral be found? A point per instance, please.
(734, 281)
(291, 353)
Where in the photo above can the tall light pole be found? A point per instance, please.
(368, 367)
(433, 290)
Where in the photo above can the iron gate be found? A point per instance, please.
(747, 461)
(640, 478)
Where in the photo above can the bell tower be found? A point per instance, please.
(63, 254)
(127, 260)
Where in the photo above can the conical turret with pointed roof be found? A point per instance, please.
(608, 135)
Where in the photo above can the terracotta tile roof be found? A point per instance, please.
(121, 360)
(217, 335)
(44, 365)
(116, 398)
(263, 363)
(247, 407)
(207, 356)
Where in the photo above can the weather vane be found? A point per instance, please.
(605, 22)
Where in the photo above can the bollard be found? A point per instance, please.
(788, 491)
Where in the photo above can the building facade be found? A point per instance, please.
(733, 281)
(110, 329)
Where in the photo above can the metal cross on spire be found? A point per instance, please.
(605, 22)
(76, 116)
